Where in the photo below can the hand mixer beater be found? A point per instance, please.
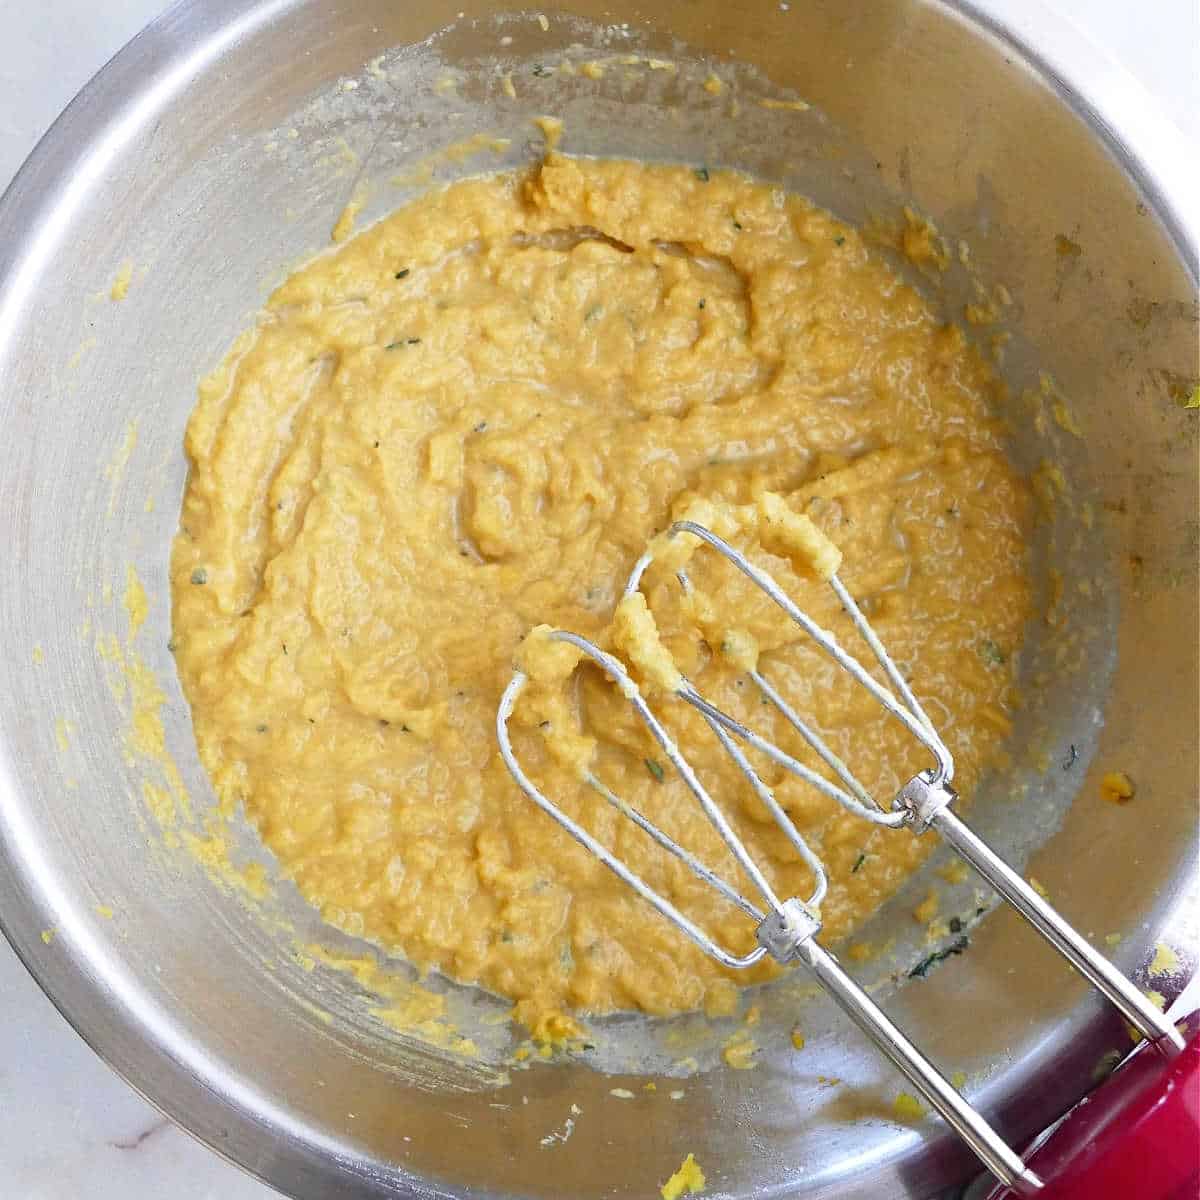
(786, 928)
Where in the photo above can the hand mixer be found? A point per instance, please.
(786, 927)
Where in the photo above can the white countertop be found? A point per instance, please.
(71, 1129)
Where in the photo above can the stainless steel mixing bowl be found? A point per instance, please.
(217, 149)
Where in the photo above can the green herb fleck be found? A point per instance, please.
(1069, 761)
(414, 341)
(402, 274)
(506, 935)
(737, 225)
(858, 862)
(701, 174)
(595, 311)
(199, 575)
(701, 304)
(261, 728)
(921, 970)
(654, 768)
(481, 427)
(171, 646)
(839, 240)
(393, 345)
(539, 70)
(1106, 1066)
(992, 653)
(956, 925)
(1193, 401)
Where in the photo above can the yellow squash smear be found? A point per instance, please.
(470, 420)
(688, 1180)
(120, 284)
(1166, 960)
(908, 1108)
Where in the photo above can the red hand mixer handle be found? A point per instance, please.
(1136, 1137)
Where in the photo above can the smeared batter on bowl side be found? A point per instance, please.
(469, 420)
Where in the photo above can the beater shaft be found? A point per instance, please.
(989, 1147)
(1084, 957)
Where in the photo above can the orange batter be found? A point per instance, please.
(470, 420)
